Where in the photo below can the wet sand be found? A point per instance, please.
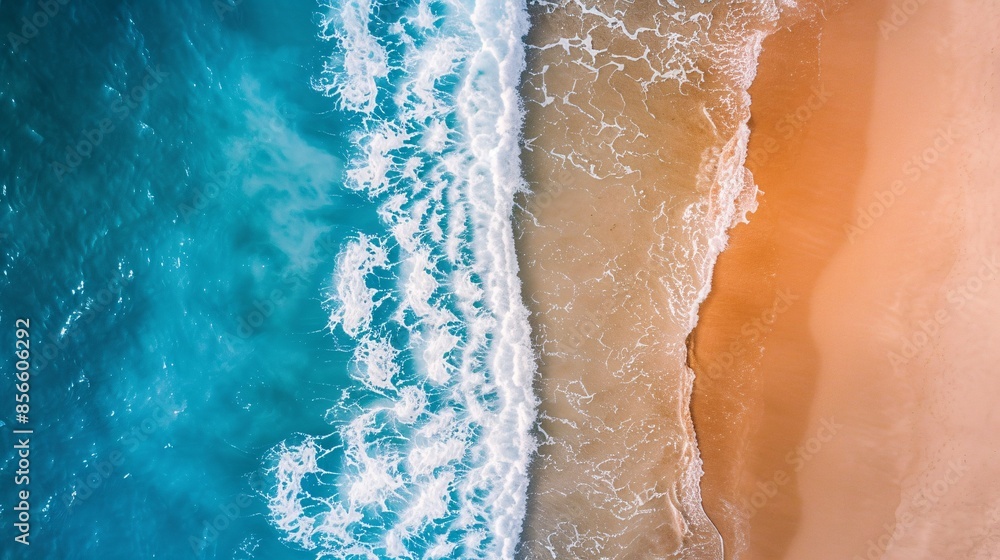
(635, 175)
(838, 407)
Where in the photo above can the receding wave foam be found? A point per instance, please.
(429, 451)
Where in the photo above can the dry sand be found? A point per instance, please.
(846, 355)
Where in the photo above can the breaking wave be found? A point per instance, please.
(428, 455)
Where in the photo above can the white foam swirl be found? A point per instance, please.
(351, 72)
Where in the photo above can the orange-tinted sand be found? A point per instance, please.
(846, 355)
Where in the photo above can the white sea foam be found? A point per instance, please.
(351, 72)
(371, 174)
(412, 402)
(376, 363)
(436, 437)
(352, 300)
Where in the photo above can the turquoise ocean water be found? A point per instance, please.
(266, 254)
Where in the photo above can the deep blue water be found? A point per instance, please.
(215, 187)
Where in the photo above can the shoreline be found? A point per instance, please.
(631, 201)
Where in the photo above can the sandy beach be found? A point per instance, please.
(840, 363)
(832, 417)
